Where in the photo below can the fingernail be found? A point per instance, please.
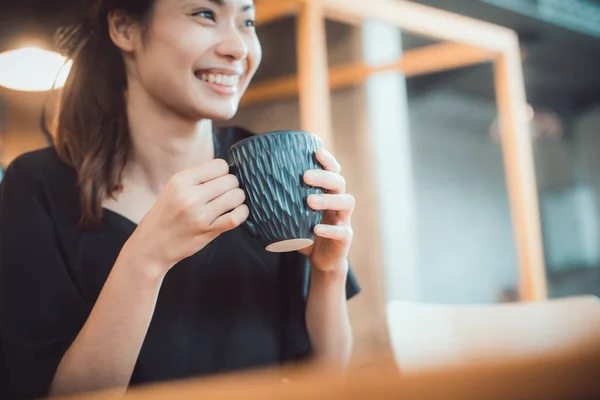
(317, 200)
(312, 176)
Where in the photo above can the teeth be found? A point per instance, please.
(220, 79)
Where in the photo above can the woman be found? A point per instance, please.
(122, 257)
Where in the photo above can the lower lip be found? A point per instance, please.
(220, 89)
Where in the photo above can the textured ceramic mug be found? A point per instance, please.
(270, 168)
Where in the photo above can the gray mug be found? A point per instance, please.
(270, 168)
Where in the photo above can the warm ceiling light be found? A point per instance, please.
(32, 69)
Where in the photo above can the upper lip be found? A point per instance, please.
(222, 71)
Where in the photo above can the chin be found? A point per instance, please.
(218, 113)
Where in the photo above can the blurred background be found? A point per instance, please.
(421, 155)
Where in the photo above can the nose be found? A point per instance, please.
(233, 46)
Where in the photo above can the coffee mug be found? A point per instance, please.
(270, 168)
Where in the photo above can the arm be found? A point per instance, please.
(104, 353)
(182, 221)
(50, 338)
(327, 317)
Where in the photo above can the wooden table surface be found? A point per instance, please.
(574, 376)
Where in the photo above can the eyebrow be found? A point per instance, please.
(221, 3)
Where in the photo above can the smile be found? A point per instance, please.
(220, 79)
(221, 82)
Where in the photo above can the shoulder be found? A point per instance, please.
(42, 175)
(42, 166)
(34, 163)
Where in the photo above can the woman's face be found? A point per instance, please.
(198, 56)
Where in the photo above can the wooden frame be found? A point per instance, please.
(465, 41)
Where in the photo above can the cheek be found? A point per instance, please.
(156, 68)
(160, 75)
(172, 48)
(166, 63)
(254, 55)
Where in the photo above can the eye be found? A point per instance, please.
(205, 14)
(249, 23)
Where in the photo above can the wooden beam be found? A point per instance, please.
(442, 57)
(520, 174)
(429, 59)
(422, 20)
(407, 15)
(313, 80)
(273, 89)
(271, 10)
(426, 60)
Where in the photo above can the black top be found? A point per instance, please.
(231, 306)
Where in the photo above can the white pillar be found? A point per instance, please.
(391, 143)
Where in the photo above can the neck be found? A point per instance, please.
(163, 142)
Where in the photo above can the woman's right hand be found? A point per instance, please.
(195, 207)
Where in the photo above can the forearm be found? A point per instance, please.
(327, 317)
(104, 353)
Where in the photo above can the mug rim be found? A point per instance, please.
(273, 133)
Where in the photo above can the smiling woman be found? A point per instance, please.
(160, 51)
(121, 253)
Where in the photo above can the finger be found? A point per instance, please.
(331, 181)
(217, 187)
(335, 232)
(328, 161)
(342, 203)
(203, 173)
(224, 203)
(232, 219)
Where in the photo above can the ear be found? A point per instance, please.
(122, 30)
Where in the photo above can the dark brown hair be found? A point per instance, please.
(92, 130)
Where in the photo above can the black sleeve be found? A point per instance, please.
(41, 311)
(294, 286)
(352, 286)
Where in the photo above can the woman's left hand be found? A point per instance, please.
(330, 250)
